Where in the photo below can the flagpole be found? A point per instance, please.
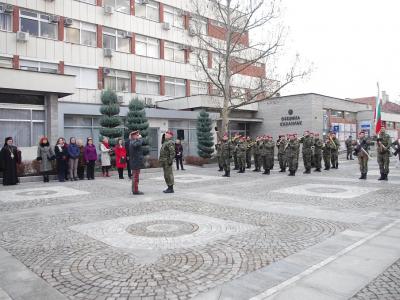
(378, 110)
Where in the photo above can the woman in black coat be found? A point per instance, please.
(8, 161)
(179, 154)
(61, 152)
(136, 159)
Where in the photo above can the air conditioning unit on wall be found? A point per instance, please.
(148, 101)
(106, 71)
(68, 22)
(108, 52)
(6, 8)
(54, 19)
(166, 26)
(108, 10)
(22, 36)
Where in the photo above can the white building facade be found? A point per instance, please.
(73, 50)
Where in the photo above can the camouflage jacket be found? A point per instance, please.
(292, 149)
(281, 146)
(335, 145)
(349, 144)
(318, 146)
(167, 152)
(227, 149)
(307, 142)
(383, 143)
(241, 149)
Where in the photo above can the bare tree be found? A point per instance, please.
(234, 55)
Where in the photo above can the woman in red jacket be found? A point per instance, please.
(120, 158)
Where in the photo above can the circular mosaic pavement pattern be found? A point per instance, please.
(81, 267)
(162, 228)
(326, 190)
(37, 193)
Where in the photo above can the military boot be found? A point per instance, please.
(282, 171)
(382, 177)
(291, 173)
(386, 177)
(169, 190)
(317, 170)
(307, 171)
(225, 174)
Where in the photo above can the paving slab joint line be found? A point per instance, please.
(323, 263)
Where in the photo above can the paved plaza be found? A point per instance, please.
(321, 236)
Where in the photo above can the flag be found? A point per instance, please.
(377, 115)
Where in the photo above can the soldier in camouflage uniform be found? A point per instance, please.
(241, 148)
(218, 155)
(269, 149)
(326, 153)
(226, 155)
(257, 156)
(281, 144)
(167, 155)
(349, 148)
(335, 151)
(383, 144)
(317, 152)
(307, 142)
(291, 153)
(362, 150)
(249, 152)
(235, 141)
(297, 141)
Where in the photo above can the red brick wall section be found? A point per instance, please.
(186, 20)
(187, 88)
(220, 33)
(99, 36)
(61, 67)
(99, 2)
(15, 62)
(133, 82)
(15, 18)
(161, 8)
(187, 53)
(132, 7)
(251, 70)
(162, 85)
(162, 49)
(133, 43)
(61, 29)
(100, 78)
(209, 62)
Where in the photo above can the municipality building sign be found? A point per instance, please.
(291, 119)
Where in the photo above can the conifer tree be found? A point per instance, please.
(205, 140)
(136, 120)
(110, 119)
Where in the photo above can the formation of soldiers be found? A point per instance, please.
(263, 148)
(315, 151)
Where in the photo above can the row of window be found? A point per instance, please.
(116, 80)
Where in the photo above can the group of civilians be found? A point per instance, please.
(74, 158)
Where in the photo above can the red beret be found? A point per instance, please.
(169, 132)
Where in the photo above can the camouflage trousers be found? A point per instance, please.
(363, 162)
(226, 164)
(317, 160)
(248, 159)
(282, 161)
(383, 161)
(220, 162)
(235, 160)
(292, 163)
(241, 162)
(307, 157)
(168, 174)
(327, 161)
(257, 161)
(267, 162)
(334, 159)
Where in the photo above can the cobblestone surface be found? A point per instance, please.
(107, 244)
(385, 287)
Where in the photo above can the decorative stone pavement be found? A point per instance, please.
(249, 236)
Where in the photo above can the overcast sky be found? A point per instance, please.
(351, 43)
